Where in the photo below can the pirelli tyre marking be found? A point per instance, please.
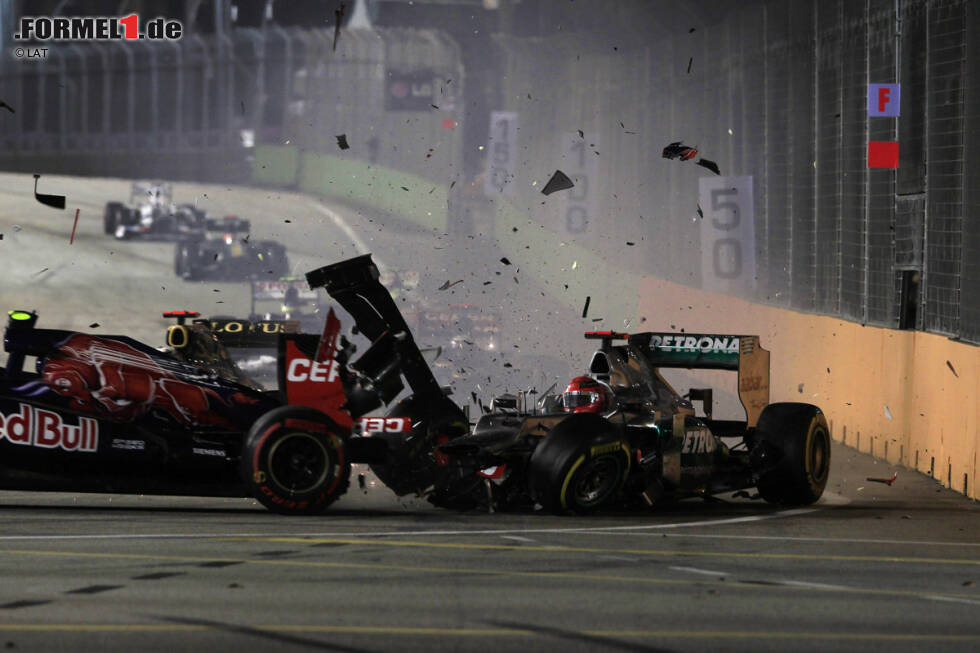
(604, 470)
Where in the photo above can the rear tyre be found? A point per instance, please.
(186, 261)
(294, 461)
(110, 219)
(581, 465)
(798, 436)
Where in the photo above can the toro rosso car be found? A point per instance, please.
(108, 413)
(222, 251)
(151, 213)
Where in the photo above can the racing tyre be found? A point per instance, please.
(111, 217)
(294, 461)
(581, 465)
(798, 436)
(185, 261)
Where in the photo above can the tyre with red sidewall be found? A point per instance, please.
(294, 461)
(799, 435)
(580, 466)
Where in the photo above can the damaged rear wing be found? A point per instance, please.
(355, 285)
(743, 354)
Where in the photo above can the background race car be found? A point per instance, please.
(151, 213)
(288, 298)
(223, 251)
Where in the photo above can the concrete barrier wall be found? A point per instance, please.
(885, 392)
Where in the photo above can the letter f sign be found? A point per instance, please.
(884, 100)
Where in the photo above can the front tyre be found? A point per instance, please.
(797, 435)
(294, 461)
(581, 465)
(110, 219)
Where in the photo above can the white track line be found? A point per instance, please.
(822, 586)
(341, 224)
(949, 599)
(786, 538)
(512, 531)
(704, 572)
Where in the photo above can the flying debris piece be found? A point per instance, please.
(452, 184)
(487, 283)
(4, 105)
(689, 62)
(700, 212)
(679, 151)
(73, 228)
(585, 309)
(94, 325)
(404, 189)
(342, 142)
(690, 31)
(339, 14)
(505, 260)
(710, 165)
(951, 369)
(508, 365)
(559, 181)
(54, 201)
(447, 285)
(630, 243)
(888, 413)
(473, 394)
(243, 107)
(581, 134)
(287, 221)
(361, 481)
(597, 319)
(886, 481)
(434, 106)
(800, 388)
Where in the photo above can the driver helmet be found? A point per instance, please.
(586, 395)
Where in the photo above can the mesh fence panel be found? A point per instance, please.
(944, 138)
(853, 160)
(879, 274)
(969, 327)
(828, 160)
